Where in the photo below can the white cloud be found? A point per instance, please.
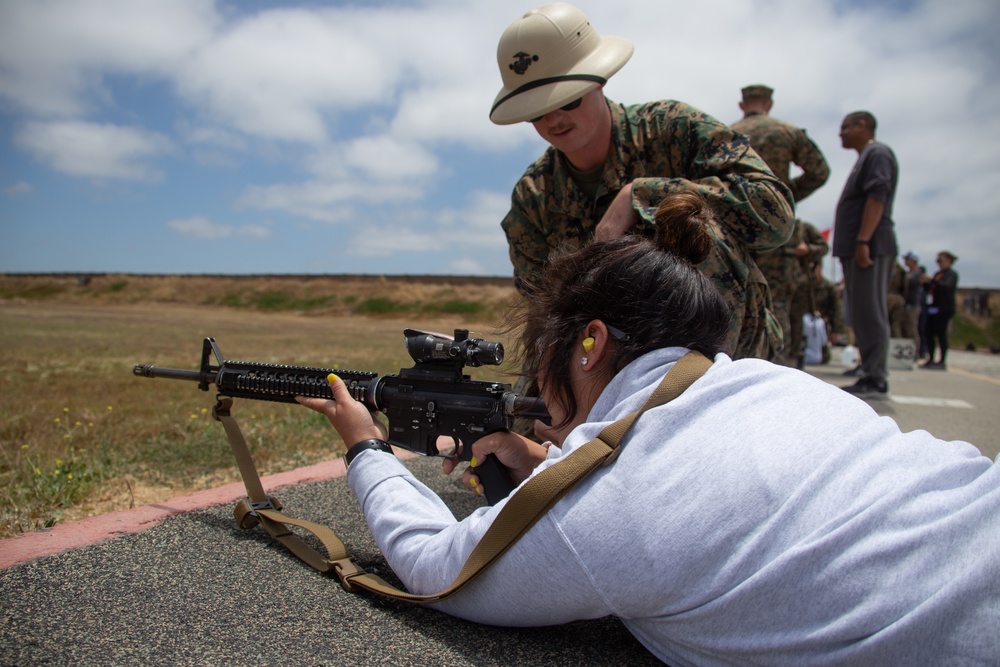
(368, 114)
(391, 240)
(212, 136)
(19, 189)
(94, 150)
(927, 73)
(203, 228)
(390, 159)
(461, 234)
(331, 200)
(369, 171)
(467, 267)
(55, 55)
(477, 224)
(281, 73)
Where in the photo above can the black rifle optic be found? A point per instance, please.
(434, 398)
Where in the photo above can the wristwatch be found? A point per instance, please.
(371, 443)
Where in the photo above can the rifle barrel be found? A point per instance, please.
(528, 407)
(146, 371)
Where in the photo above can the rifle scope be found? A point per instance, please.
(427, 347)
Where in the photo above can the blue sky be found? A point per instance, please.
(192, 136)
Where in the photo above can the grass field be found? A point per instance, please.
(80, 435)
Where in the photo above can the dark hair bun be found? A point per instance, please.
(682, 227)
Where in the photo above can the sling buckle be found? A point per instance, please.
(268, 504)
(345, 569)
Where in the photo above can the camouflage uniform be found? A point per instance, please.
(804, 297)
(830, 307)
(896, 301)
(663, 148)
(782, 144)
(790, 278)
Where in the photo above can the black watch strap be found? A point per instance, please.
(371, 443)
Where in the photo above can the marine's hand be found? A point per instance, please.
(620, 217)
(351, 418)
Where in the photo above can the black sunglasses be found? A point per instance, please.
(566, 107)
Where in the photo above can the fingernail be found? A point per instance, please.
(473, 482)
(473, 462)
(331, 378)
(478, 490)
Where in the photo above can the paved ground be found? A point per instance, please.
(192, 589)
(195, 590)
(962, 403)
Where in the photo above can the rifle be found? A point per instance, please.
(432, 399)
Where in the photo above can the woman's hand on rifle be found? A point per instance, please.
(349, 417)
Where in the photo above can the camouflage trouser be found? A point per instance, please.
(910, 327)
(781, 299)
(897, 317)
(800, 305)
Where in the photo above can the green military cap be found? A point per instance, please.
(757, 91)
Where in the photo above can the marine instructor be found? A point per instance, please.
(609, 165)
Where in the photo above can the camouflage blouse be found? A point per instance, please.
(663, 148)
(781, 144)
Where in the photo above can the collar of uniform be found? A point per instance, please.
(564, 200)
(622, 147)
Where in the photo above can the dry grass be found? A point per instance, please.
(314, 295)
(80, 435)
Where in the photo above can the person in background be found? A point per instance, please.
(817, 347)
(789, 273)
(914, 297)
(865, 242)
(762, 516)
(896, 303)
(781, 144)
(608, 166)
(940, 309)
(788, 269)
(830, 307)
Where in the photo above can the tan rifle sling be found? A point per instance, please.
(520, 512)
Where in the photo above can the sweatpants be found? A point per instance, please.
(866, 292)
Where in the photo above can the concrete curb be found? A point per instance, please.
(96, 529)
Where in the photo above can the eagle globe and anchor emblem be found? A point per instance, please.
(522, 61)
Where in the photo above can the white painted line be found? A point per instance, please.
(931, 402)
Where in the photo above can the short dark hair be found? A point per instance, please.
(648, 289)
(865, 116)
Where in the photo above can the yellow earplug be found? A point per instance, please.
(588, 344)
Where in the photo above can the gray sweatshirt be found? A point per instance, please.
(762, 517)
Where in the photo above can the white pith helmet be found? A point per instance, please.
(550, 57)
